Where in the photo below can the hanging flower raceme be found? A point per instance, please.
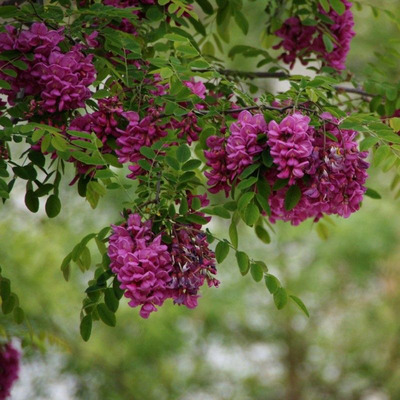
(59, 80)
(229, 157)
(193, 262)
(9, 369)
(138, 133)
(329, 173)
(301, 41)
(291, 144)
(151, 272)
(335, 177)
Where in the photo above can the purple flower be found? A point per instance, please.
(138, 133)
(229, 157)
(194, 263)
(9, 369)
(296, 40)
(196, 88)
(187, 127)
(300, 41)
(61, 80)
(150, 272)
(337, 172)
(142, 264)
(242, 144)
(218, 176)
(65, 79)
(290, 144)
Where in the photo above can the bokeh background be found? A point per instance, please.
(235, 345)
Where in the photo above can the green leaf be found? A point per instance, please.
(191, 165)
(301, 305)
(368, 142)
(206, 6)
(280, 298)
(373, 194)
(184, 207)
(59, 143)
(233, 234)
(31, 201)
(328, 43)
(325, 5)
(19, 315)
(221, 251)
(111, 300)
(196, 219)
(244, 200)
(183, 153)
(292, 197)
(4, 84)
(53, 206)
(172, 162)
(5, 289)
(262, 234)
(272, 283)
(241, 20)
(248, 171)
(243, 262)
(395, 124)
(247, 183)
(218, 210)
(338, 6)
(86, 327)
(251, 214)
(280, 183)
(107, 316)
(101, 94)
(257, 272)
(8, 305)
(381, 154)
(20, 65)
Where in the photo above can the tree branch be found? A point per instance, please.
(280, 75)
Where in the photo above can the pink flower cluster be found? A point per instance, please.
(60, 79)
(9, 369)
(104, 122)
(300, 41)
(336, 175)
(146, 131)
(142, 264)
(290, 145)
(329, 173)
(151, 272)
(227, 158)
(138, 133)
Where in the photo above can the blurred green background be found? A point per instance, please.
(235, 345)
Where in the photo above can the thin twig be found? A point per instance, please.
(279, 75)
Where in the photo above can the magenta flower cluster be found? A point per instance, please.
(60, 80)
(9, 369)
(227, 158)
(290, 144)
(331, 174)
(151, 272)
(146, 131)
(138, 133)
(301, 41)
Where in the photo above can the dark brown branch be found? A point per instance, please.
(353, 90)
(280, 75)
(259, 107)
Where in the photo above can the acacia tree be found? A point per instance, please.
(137, 86)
